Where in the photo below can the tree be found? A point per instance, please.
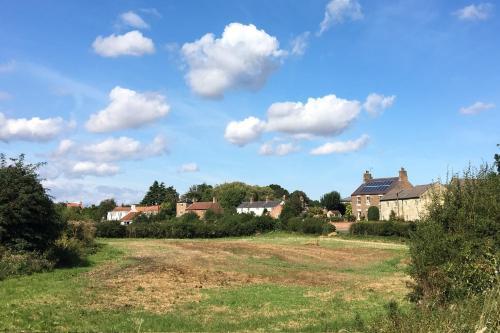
(278, 191)
(28, 219)
(331, 200)
(373, 213)
(230, 195)
(101, 211)
(201, 192)
(158, 194)
(497, 161)
(294, 206)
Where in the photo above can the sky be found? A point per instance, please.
(306, 94)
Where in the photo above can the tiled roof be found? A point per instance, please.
(260, 204)
(147, 209)
(204, 206)
(411, 193)
(130, 216)
(376, 186)
(121, 209)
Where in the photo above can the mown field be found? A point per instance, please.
(268, 282)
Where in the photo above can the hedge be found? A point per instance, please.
(383, 228)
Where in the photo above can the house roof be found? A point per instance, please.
(130, 216)
(204, 205)
(260, 204)
(147, 209)
(122, 209)
(376, 186)
(402, 194)
(348, 199)
(74, 204)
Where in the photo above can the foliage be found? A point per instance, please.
(373, 213)
(383, 228)
(230, 195)
(28, 219)
(331, 201)
(22, 263)
(278, 191)
(201, 192)
(111, 229)
(310, 225)
(159, 194)
(456, 252)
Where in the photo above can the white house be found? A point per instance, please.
(273, 207)
(127, 214)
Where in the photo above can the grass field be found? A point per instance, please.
(268, 282)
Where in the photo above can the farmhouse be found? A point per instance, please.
(74, 204)
(408, 204)
(127, 214)
(273, 207)
(199, 208)
(372, 190)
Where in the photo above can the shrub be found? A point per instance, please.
(383, 228)
(67, 252)
(310, 225)
(111, 229)
(22, 263)
(373, 213)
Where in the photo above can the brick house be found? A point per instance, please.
(372, 190)
(199, 208)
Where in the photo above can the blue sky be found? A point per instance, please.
(306, 94)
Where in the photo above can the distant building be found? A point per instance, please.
(199, 208)
(74, 204)
(272, 207)
(409, 204)
(127, 214)
(372, 190)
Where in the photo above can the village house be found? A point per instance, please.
(372, 190)
(408, 204)
(199, 208)
(127, 214)
(271, 207)
(74, 204)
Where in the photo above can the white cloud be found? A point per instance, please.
(88, 168)
(299, 43)
(64, 147)
(242, 132)
(34, 129)
(189, 167)
(133, 20)
(128, 109)
(341, 146)
(479, 12)
(7, 67)
(132, 43)
(324, 116)
(476, 108)
(243, 58)
(4, 96)
(151, 11)
(375, 104)
(337, 11)
(280, 150)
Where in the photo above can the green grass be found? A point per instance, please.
(61, 300)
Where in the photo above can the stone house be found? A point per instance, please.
(272, 207)
(409, 204)
(372, 190)
(199, 208)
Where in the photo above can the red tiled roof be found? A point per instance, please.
(146, 209)
(130, 216)
(122, 209)
(74, 204)
(204, 206)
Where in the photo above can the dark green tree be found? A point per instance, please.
(28, 219)
(159, 194)
(200, 192)
(294, 206)
(278, 191)
(497, 161)
(331, 200)
(373, 213)
(101, 211)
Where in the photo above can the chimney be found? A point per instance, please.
(214, 200)
(403, 176)
(284, 197)
(251, 199)
(367, 176)
(133, 208)
(267, 198)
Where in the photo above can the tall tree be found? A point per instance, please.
(158, 193)
(200, 192)
(28, 219)
(331, 201)
(278, 191)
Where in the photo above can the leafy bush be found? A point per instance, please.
(373, 213)
(67, 252)
(310, 225)
(383, 228)
(111, 229)
(22, 263)
(456, 252)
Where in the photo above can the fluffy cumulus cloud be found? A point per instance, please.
(128, 109)
(375, 104)
(341, 146)
(133, 43)
(281, 149)
(299, 43)
(34, 129)
(338, 11)
(479, 12)
(242, 132)
(476, 108)
(89, 168)
(189, 167)
(243, 58)
(133, 20)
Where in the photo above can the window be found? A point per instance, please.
(368, 200)
(358, 200)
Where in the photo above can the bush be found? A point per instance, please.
(373, 213)
(456, 252)
(22, 263)
(111, 229)
(67, 252)
(383, 228)
(310, 225)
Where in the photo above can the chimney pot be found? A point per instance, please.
(367, 176)
(403, 175)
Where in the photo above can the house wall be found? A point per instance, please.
(360, 210)
(180, 208)
(116, 216)
(276, 211)
(409, 209)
